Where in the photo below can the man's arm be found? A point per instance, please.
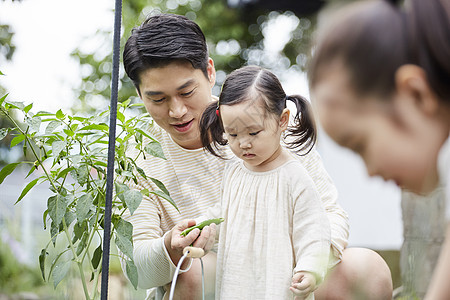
(150, 254)
(439, 286)
(328, 193)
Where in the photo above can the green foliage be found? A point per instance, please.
(70, 153)
(15, 277)
(235, 37)
(7, 48)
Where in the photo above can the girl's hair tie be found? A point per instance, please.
(217, 108)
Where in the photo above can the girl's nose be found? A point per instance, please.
(245, 144)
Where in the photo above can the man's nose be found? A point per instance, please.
(177, 108)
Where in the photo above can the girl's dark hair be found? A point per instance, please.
(161, 40)
(373, 39)
(255, 83)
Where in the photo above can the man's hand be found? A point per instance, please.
(303, 284)
(175, 242)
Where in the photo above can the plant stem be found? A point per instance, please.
(79, 263)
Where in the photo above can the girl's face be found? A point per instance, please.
(395, 137)
(253, 134)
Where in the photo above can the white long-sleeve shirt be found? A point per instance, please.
(275, 225)
(193, 178)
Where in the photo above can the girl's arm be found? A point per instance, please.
(310, 226)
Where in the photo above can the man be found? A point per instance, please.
(167, 60)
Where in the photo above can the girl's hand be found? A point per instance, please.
(303, 284)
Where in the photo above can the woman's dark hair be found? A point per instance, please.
(373, 39)
(161, 40)
(255, 83)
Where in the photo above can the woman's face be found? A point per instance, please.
(393, 136)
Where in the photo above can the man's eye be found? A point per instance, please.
(158, 100)
(187, 94)
(254, 133)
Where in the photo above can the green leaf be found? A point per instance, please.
(52, 126)
(165, 196)
(2, 99)
(145, 134)
(120, 117)
(42, 257)
(69, 217)
(102, 127)
(155, 149)
(54, 231)
(27, 108)
(83, 206)
(79, 229)
(44, 218)
(57, 147)
(32, 169)
(17, 139)
(81, 174)
(29, 186)
(124, 232)
(34, 123)
(97, 257)
(142, 172)
(121, 189)
(160, 185)
(57, 206)
(18, 105)
(68, 132)
(133, 199)
(1, 73)
(3, 133)
(60, 115)
(60, 271)
(82, 243)
(8, 169)
(64, 172)
(132, 273)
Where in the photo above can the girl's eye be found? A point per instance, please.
(232, 134)
(254, 133)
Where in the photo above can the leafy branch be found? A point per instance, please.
(70, 153)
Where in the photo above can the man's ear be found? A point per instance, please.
(411, 82)
(211, 72)
(138, 91)
(284, 119)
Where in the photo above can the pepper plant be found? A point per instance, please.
(70, 154)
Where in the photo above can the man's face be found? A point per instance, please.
(176, 96)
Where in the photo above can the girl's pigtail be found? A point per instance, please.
(211, 130)
(303, 135)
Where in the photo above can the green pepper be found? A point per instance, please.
(203, 224)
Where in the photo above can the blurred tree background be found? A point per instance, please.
(238, 32)
(7, 49)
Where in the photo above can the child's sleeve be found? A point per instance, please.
(311, 228)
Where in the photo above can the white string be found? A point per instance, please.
(175, 275)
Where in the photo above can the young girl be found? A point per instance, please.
(380, 77)
(276, 236)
